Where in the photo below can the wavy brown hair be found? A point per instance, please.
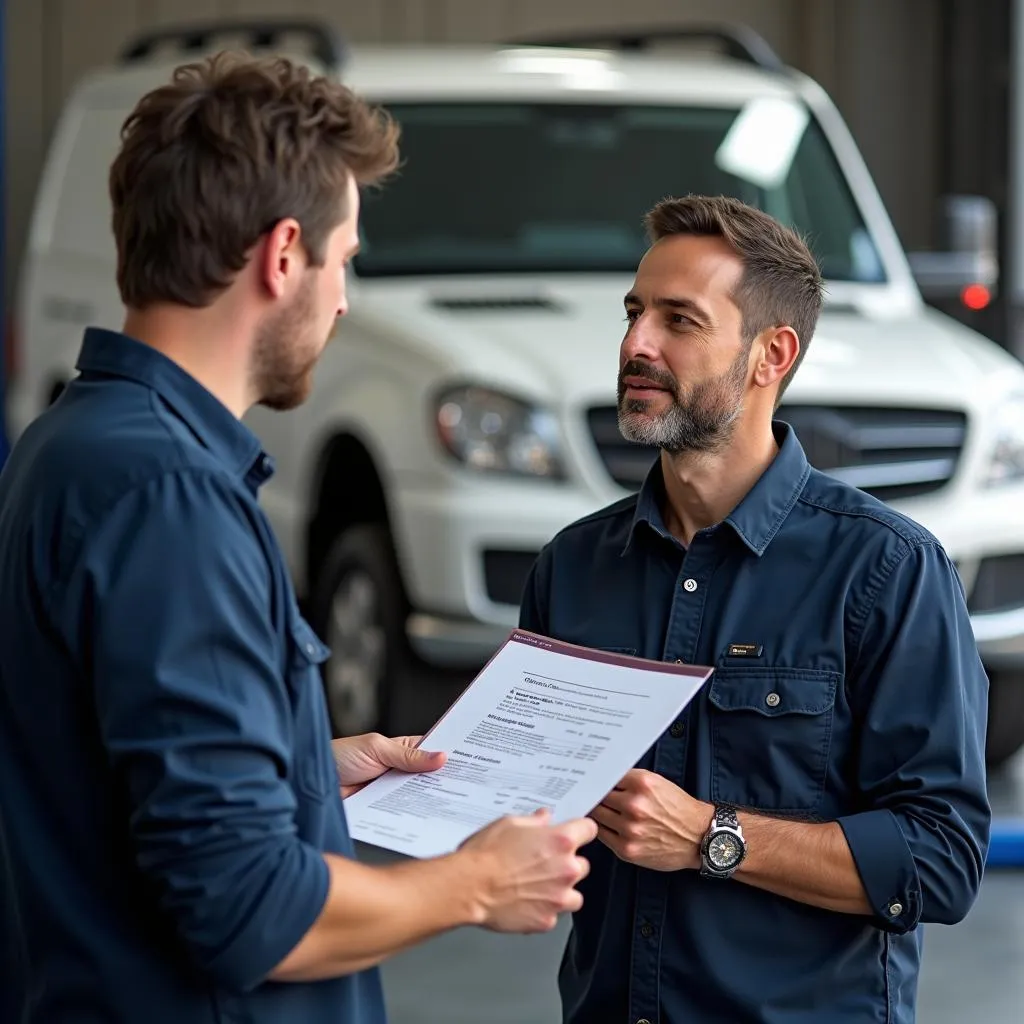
(213, 160)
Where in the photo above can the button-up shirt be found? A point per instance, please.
(168, 788)
(847, 688)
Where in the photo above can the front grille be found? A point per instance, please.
(890, 453)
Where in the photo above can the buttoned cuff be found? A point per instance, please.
(289, 903)
(886, 868)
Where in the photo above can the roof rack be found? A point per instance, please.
(324, 44)
(736, 41)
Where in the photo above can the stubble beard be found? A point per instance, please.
(286, 353)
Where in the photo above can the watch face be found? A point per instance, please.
(724, 851)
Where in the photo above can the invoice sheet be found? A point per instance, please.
(544, 724)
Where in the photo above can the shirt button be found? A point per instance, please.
(772, 700)
(689, 585)
(646, 930)
(310, 650)
(643, 1020)
(677, 730)
(895, 909)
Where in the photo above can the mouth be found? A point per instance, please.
(641, 387)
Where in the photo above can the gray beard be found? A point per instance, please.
(702, 422)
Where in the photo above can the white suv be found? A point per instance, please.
(467, 410)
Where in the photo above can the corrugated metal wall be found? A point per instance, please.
(876, 57)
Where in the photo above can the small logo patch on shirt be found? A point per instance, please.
(744, 651)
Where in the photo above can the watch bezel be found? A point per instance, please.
(740, 845)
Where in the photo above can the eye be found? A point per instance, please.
(631, 315)
(682, 320)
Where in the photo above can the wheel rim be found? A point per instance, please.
(355, 670)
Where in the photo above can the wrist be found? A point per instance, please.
(475, 874)
(702, 820)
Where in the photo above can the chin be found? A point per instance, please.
(284, 401)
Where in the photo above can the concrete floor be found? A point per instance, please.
(973, 971)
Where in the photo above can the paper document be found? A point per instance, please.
(544, 724)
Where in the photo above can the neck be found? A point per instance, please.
(208, 344)
(703, 488)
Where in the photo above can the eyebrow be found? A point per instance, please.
(667, 302)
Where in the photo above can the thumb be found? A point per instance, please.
(411, 759)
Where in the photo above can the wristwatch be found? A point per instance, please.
(723, 847)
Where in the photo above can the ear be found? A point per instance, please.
(282, 256)
(774, 352)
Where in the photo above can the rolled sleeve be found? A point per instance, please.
(922, 694)
(195, 715)
(886, 867)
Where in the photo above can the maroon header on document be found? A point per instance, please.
(546, 643)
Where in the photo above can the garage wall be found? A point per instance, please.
(876, 57)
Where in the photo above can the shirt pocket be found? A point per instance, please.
(314, 773)
(771, 729)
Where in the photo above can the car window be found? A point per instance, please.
(542, 187)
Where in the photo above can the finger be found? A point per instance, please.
(609, 838)
(615, 802)
(395, 754)
(409, 741)
(580, 831)
(573, 901)
(610, 820)
(629, 780)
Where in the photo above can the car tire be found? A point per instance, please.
(358, 608)
(1005, 717)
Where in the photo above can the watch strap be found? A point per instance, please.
(725, 817)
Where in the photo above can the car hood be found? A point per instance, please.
(558, 342)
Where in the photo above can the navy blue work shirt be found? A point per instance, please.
(857, 696)
(168, 787)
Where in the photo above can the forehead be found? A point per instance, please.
(686, 265)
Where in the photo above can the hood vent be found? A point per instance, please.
(495, 303)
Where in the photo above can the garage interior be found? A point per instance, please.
(957, 129)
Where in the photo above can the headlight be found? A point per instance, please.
(1006, 464)
(488, 430)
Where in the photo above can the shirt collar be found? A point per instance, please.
(216, 427)
(758, 517)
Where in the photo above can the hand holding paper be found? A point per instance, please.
(361, 759)
(545, 724)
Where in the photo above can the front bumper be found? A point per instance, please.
(464, 553)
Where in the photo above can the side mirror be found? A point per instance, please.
(967, 267)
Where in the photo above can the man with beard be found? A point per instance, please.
(173, 845)
(773, 855)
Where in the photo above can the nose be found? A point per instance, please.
(640, 341)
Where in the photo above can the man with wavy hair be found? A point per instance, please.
(173, 845)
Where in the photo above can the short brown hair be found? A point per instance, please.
(781, 282)
(213, 160)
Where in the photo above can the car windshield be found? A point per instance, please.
(491, 188)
